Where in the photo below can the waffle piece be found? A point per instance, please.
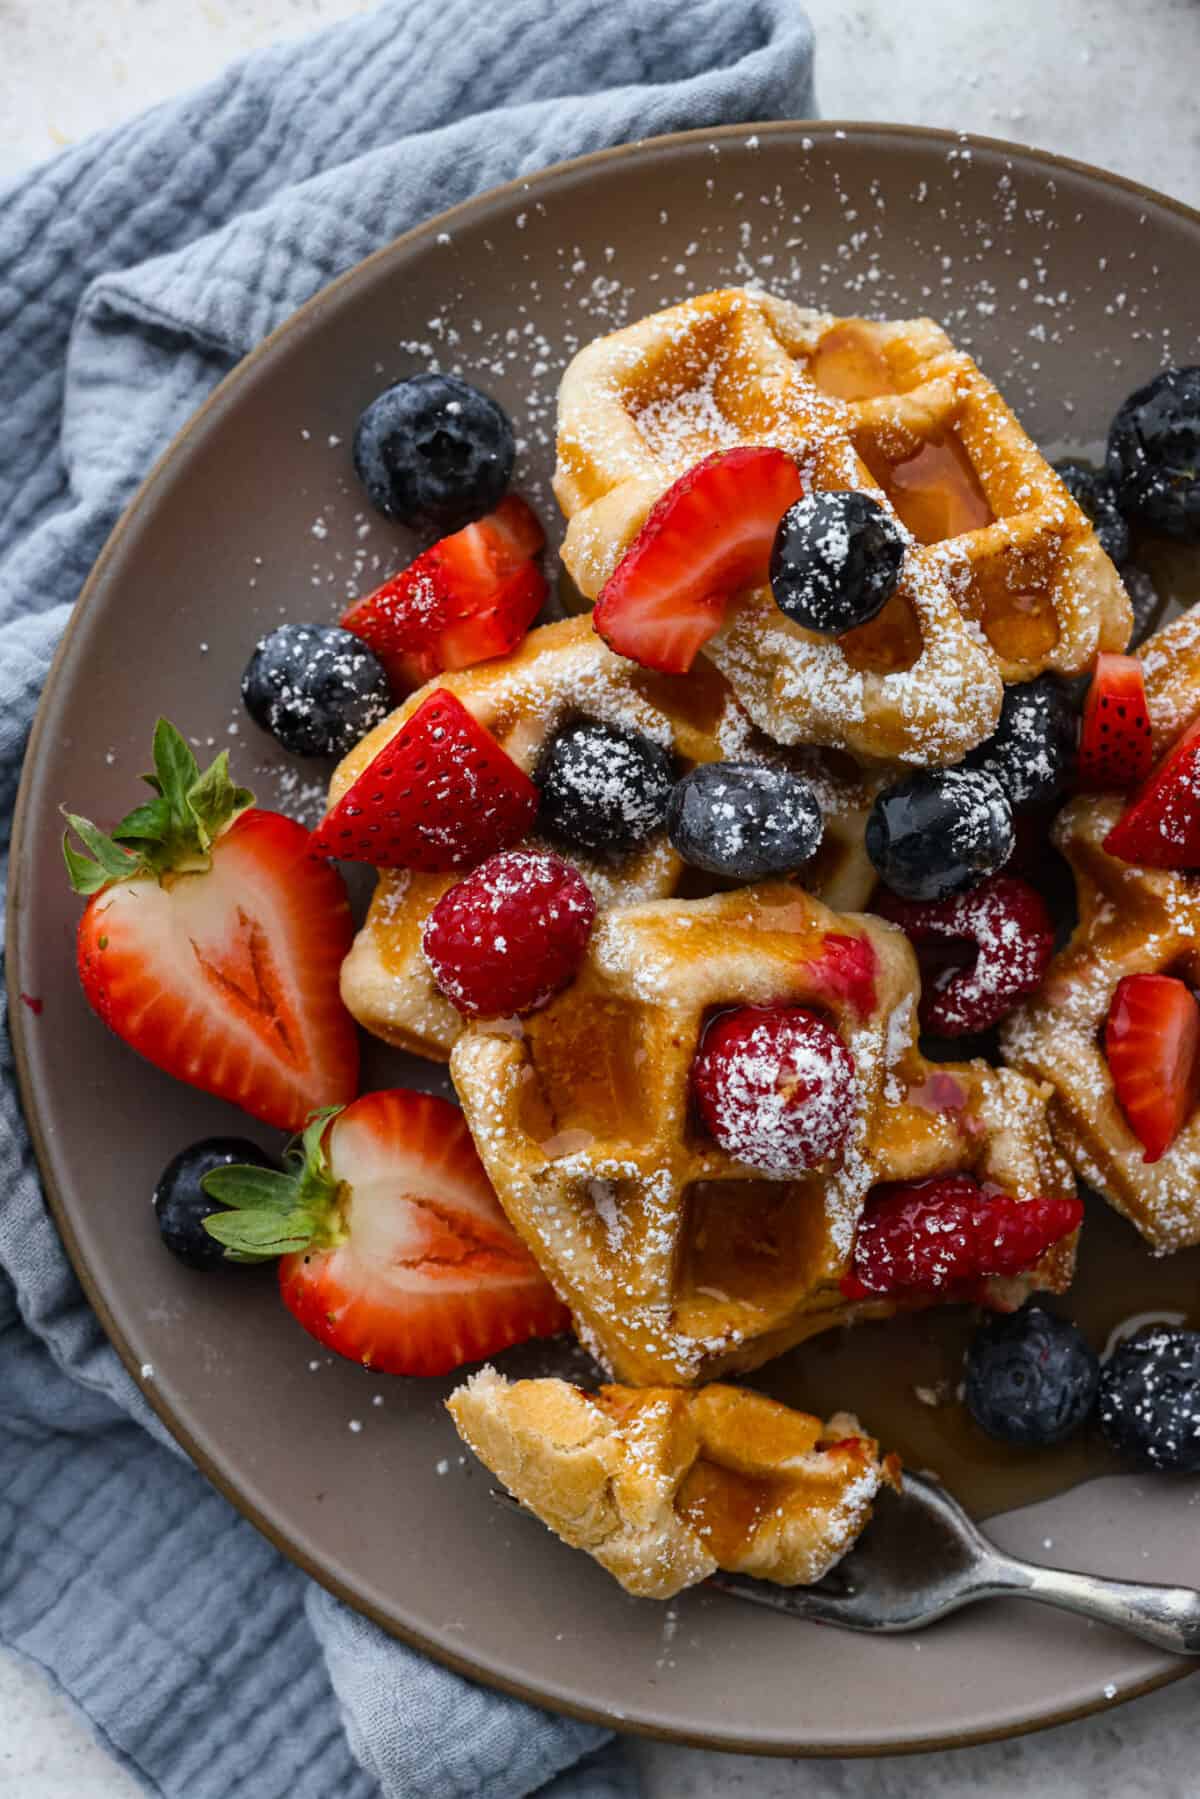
(1131, 921)
(664, 1487)
(560, 673)
(1005, 578)
(1171, 668)
(678, 1262)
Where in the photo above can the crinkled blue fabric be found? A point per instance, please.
(135, 270)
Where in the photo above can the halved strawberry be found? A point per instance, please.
(394, 1250)
(1152, 1044)
(706, 539)
(213, 939)
(440, 795)
(468, 597)
(1161, 827)
(1115, 748)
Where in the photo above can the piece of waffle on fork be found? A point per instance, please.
(679, 1261)
(663, 1487)
(563, 673)
(1003, 578)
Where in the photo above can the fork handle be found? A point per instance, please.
(1167, 1617)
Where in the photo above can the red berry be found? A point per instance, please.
(440, 794)
(707, 538)
(510, 935)
(775, 1087)
(1115, 748)
(1004, 927)
(468, 597)
(1161, 826)
(845, 970)
(1152, 1045)
(945, 1236)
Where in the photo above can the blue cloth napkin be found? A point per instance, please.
(135, 270)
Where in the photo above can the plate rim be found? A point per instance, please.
(21, 863)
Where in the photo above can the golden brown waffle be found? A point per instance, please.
(1005, 577)
(678, 1262)
(1131, 921)
(560, 673)
(664, 1487)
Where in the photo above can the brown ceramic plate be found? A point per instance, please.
(1070, 285)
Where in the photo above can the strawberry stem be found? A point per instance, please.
(275, 1213)
(171, 834)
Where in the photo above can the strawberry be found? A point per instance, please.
(394, 1250)
(1114, 742)
(706, 539)
(1161, 827)
(466, 598)
(942, 1238)
(212, 942)
(1152, 1043)
(440, 795)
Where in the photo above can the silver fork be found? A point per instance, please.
(922, 1558)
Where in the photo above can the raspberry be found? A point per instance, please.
(1004, 921)
(945, 1236)
(775, 1087)
(510, 935)
(846, 970)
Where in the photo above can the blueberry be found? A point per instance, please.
(835, 561)
(1032, 748)
(1154, 455)
(1147, 602)
(744, 821)
(315, 688)
(602, 789)
(1150, 1399)
(940, 832)
(1031, 1378)
(181, 1204)
(434, 453)
(1096, 495)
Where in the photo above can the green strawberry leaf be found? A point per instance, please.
(275, 1213)
(171, 834)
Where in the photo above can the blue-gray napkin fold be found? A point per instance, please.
(135, 270)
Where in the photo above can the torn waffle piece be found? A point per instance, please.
(664, 1487)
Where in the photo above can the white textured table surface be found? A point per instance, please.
(1095, 79)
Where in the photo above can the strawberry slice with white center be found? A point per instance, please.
(708, 538)
(1161, 827)
(1115, 748)
(395, 1252)
(1152, 1045)
(212, 942)
(469, 597)
(441, 794)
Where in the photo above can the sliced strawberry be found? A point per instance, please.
(1152, 1043)
(394, 1250)
(1115, 748)
(440, 795)
(706, 539)
(1161, 828)
(468, 597)
(212, 942)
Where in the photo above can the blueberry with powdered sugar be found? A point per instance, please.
(743, 821)
(940, 832)
(1094, 494)
(836, 561)
(434, 453)
(603, 790)
(316, 688)
(1153, 459)
(1032, 749)
(1150, 1399)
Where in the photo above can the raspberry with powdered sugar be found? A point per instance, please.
(776, 1087)
(510, 935)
